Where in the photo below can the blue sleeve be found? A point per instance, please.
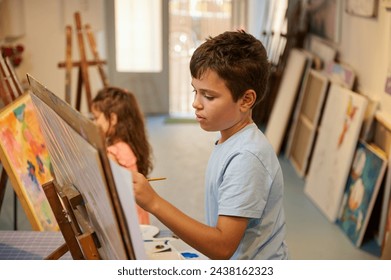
(245, 187)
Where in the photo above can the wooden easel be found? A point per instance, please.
(68, 208)
(10, 89)
(83, 77)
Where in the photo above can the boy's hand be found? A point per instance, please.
(144, 194)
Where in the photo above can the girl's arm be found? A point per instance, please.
(218, 242)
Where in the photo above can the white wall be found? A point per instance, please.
(365, 45)
(44, 41)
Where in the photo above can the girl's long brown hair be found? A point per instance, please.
(130, 126)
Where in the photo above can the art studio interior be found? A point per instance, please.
(326, 113)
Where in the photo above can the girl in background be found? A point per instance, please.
(117, 112)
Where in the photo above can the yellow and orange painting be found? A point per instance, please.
(26, 160)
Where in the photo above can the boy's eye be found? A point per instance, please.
(207, 96)
(204, 94)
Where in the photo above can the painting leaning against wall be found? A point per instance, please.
(24, 156)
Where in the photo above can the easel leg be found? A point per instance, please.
(79, 89)
(15, 80)
(63, 221)
(58, 253)
(83, 60)
(3, 184)
(68, 65)
(91, 40)
(15, 211)
(87, 243)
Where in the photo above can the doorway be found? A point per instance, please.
(190, 23)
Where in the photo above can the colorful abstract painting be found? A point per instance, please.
(25, 157)
(361, 191)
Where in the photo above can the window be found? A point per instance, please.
(191, 22)
(138, 35)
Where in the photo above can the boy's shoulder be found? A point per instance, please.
(251, 139)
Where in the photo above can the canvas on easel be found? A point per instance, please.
(334, 149)
(25, 158)
(361, 191)
(10, 89)
(78, 153)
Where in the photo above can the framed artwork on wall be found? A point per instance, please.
(362, 8)
(324, 17)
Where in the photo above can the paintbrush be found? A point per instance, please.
(156, 179)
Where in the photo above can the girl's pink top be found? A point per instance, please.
(125, 157)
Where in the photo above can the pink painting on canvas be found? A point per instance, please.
(28, 160)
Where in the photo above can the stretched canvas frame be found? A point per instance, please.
(298, 63)
(78, 153)
(305, 125)
(334, 149)
(26, 159)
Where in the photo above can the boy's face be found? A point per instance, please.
(214, 107)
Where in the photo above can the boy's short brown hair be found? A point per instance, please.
(238, 58)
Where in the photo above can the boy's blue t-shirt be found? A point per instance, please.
(244, 179)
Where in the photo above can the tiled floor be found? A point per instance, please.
(181, 151)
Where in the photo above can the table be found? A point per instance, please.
(30, 245)
(37, 245)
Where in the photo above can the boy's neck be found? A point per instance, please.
(226, 134)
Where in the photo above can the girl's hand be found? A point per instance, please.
(145, 196)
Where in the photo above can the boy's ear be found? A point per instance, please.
(248, 99)
(113, 118)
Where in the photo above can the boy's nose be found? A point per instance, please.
(196, 103)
